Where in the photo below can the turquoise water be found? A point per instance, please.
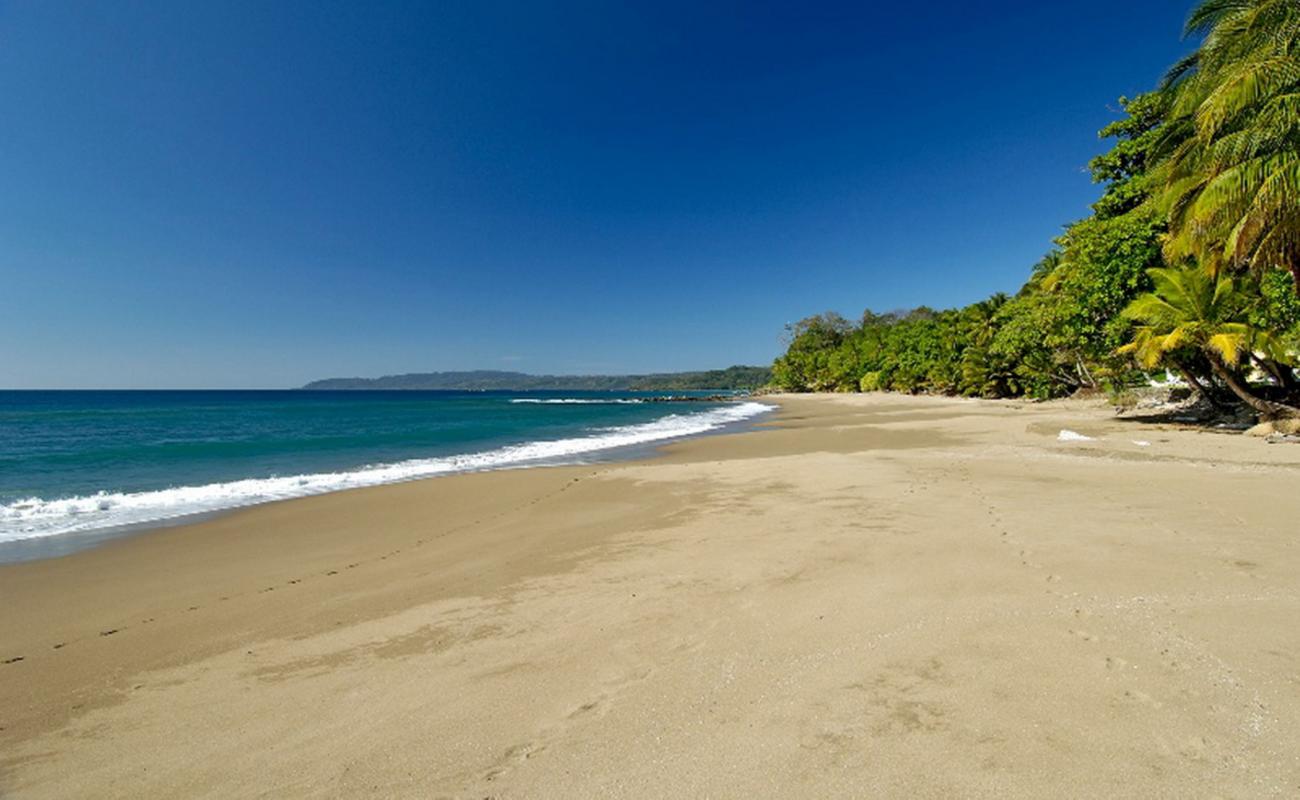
(76, 462)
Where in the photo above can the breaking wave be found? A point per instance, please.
(577, 401)
(35, 517)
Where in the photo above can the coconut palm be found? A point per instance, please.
(1190, 310)
(1232, 179)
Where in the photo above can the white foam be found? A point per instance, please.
(34, 517)
(1067, 435)
(575, 401)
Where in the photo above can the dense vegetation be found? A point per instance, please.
(1189, 262)
(729, 379)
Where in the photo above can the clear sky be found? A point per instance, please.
(256, 194)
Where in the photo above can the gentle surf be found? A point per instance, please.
(75, 462)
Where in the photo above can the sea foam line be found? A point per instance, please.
(576, 401)
(34, 517)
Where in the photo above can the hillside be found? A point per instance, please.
(731, 378)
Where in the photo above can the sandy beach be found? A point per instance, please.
(871, 596)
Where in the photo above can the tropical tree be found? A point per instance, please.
(1125, 168)
(806, 363)
(1232, 178)
(1201, 182)
(1189, 312)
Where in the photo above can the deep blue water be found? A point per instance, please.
(77, 461)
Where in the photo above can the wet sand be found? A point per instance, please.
(873, 596)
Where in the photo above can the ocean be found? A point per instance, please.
(78, 463)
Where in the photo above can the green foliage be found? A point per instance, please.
(1202, 177)
(1076, 312)
(1231, 182)
(1125, 167)
(1188, 309)
(729, 379)
(1057, 335)
(1190, 312)
(1277, 307)
(806, 365)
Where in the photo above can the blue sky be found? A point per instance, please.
(259, 194)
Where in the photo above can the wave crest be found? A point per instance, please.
(576, 401)
(35, 517)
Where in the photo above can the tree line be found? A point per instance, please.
(1189, 261)
(736, 378)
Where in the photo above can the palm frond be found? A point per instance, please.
(1210, 13)
(1229, 346)
(1247, 84)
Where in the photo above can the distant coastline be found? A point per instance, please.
(729, 379)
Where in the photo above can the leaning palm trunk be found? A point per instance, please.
(1267, 408)
(1278, 372)
(1285, 375)
(1196, 385)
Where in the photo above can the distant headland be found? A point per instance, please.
(731, 378)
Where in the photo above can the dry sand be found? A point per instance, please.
(874, 597)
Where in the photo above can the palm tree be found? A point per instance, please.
(1190, 310)
(983, 374)
(1232, 178)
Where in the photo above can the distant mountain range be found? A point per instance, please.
(730, 378)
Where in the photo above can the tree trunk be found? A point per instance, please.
(1269, 368)
(1266, 408)
(1086, 375)
(1284, 372)
(1198, 387)
(1281, 374)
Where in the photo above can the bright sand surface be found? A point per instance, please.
(873, 596)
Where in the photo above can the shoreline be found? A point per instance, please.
(63, 543)
(864, 587)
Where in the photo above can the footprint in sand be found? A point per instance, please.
(1142, 698)
(513, 757)
(583, 709)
